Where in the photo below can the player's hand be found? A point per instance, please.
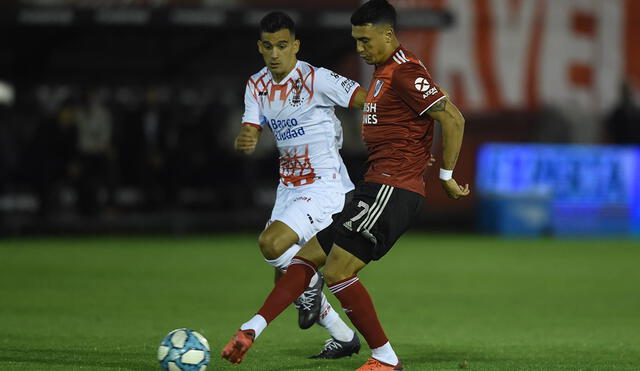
(454, 190)
(245, 143)
(431, 160)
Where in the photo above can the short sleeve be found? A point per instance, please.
(415, 87)
(336, 89)
(251, 114)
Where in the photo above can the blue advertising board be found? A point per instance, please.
(579, 190)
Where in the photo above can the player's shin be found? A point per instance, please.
(357, 304)
(288, 288)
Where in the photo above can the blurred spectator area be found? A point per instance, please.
(122, 113)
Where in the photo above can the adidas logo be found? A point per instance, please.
(348, 225)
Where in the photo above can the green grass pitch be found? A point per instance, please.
(446, 302)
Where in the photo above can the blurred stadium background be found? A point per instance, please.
(119, 115)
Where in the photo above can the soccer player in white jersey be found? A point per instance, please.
(295, 101)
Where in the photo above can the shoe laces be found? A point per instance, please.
(331, 344)
(305, 301)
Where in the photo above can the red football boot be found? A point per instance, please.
(373, 364)
(238, 346)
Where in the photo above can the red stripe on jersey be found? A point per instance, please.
(257, 126)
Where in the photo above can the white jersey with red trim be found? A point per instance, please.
(300, 113)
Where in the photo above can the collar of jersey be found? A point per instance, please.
(390, 57)
(286, 78)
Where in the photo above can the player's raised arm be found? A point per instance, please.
(247, 139)
(452, 122)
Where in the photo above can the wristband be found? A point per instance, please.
(446, 174)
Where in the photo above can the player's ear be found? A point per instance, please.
(296, 46)
(260, 46)
(388, 34)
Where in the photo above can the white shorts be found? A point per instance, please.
(307, 209)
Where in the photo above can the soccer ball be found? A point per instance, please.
(184, 350)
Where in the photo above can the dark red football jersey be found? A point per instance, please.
(395, 128)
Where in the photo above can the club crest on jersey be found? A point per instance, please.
(378, 87)
(296, 100)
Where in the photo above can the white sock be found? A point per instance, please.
(331, 320)
(385, 354)
(257, 324)
(283, 261)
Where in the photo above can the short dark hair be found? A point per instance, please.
(276, 21)
(374, 12)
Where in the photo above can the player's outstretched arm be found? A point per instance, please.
(359, 98)
(247, 139)
(452, 124)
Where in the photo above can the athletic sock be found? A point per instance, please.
(291, 285)
(283, 261)
(331, 320)
(357, 304)
(257, 324)
(385, 354)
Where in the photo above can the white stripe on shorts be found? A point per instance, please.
(378, 207)
(373, 207)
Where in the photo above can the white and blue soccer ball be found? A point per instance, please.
(184, 350)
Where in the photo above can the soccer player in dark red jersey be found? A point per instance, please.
(397, 128)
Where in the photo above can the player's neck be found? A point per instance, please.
(278, 77)
(390, 49)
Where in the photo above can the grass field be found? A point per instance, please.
(105, 303)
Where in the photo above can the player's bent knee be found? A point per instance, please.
(270, 245)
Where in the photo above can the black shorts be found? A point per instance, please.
(372, 221)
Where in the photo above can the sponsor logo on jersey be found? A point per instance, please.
(348, 84)
(369, 116)
(289, 133)
(378, 87)
(422, 84)
(429, 93)
(282, 124)
(285, 129)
